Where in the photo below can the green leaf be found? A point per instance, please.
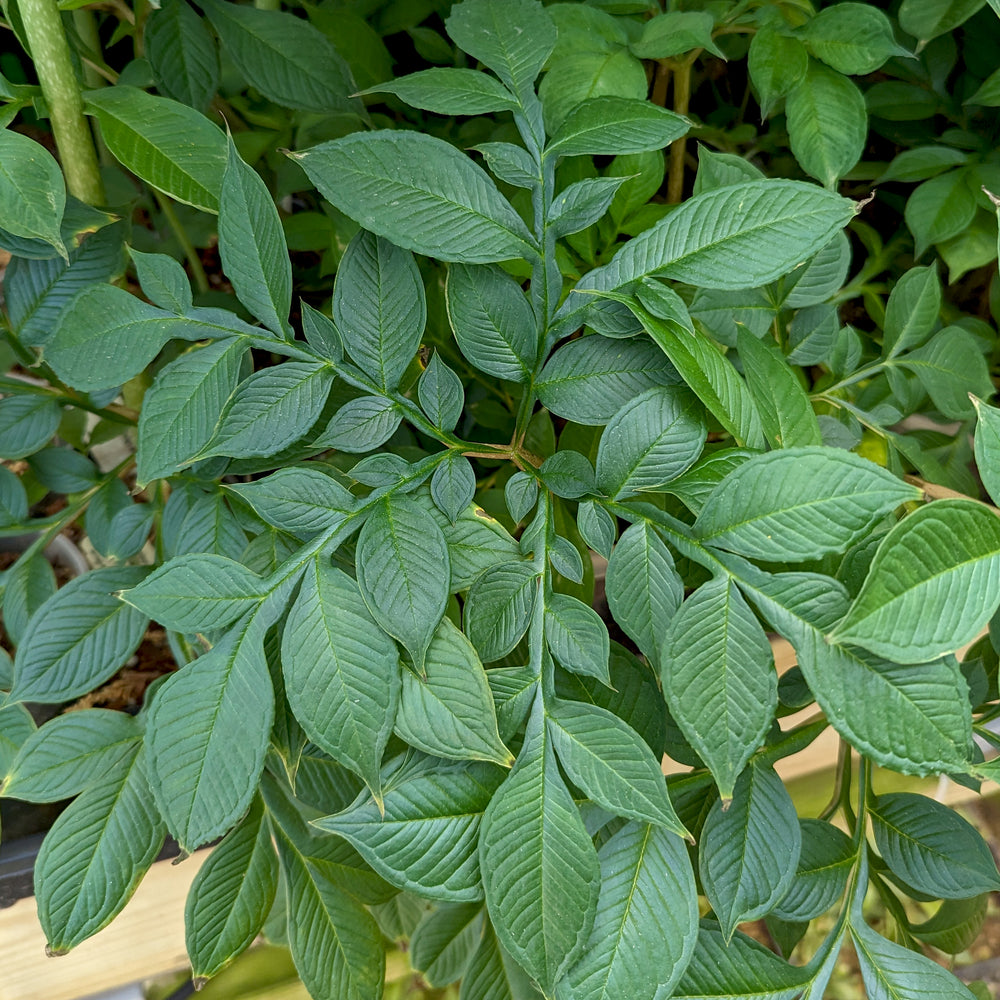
(825, 864)
(799, 503)
(493, 322)
(922, 162)
(335, 943)
(955, 925)
(785, 412)
(580, 75)
(284, 57)
(181, 408)
(181, 50)
(360, 425)
(427, 840)
(512, 164)
(912, 310)
(27, 423)
(379, 307)
(231, 895)
(852, 38)
(719, 679)
(499, 606)
(598, 529)
(453, 486)
(520, 493)
(95, 855)
(568, 474)
(493, 975)
(589, 380)
(341, 671)
(748, 853)
(13, 499)
(164, 282)
(513, 39)
(450, 713)
(302, 501)
(989, 93)
(647, 919)
(79, 637)
(940, 208)
(892, 972)
(950, 366)
(611, 764)
(441, 394)
(649, 441)
(987, 446)
(713, 241)
(449, 91)
(540, 869)
(931, 847)
(28, 584)
(582, 204)
(16, 727)
(674, 33)
(271, 409)
(207, 734)
(926, 19)
(321, 333)
(827, 123)
(907, 609)
(32, 191)
(777, 63)
(421, 193)
(737, 967)
(70, 753)
(170, 146)
(610, 126)
(577, 637)
(403, 573)
(252, 245)
(197, 592)
(443, 943)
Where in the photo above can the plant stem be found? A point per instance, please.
(678, 148)
(190, 251)
(53, 63)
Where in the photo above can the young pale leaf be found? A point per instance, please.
(170, 146)
(335, 943)
(302, 501)
(451, 714)
(577, 637)
(987, 446)
(737, 967)
(32, 190)
(95, 855)
(499, 607)
(799, 503)
(950, 366)
(83, 635)
(441, 394)
(271, 409)
(449, 91)
(181, 50)
(611, 764)
(284, 57)
(825, 864)
(427, 840)
(589, 380)
(647, 919)
(907, 609)
(443, 944)
(453, 486)
(341, 671)
(403, 572)
(493, 322)
(421, 193)
(182, 407)
(719, 679)
(207, 735)
(540, 869)
(69, 754)
(379, 307)
(582, 204)
(231, 895)
(827, 123)
(892, 972)
(748, 853)
(931, 847)
(912, 310)
(610, 126)
(252, 245)
(786, 414)
(513, 38)
(649, 441)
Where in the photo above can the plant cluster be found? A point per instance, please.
(369, 521)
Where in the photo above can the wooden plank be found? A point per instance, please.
(146, 939)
